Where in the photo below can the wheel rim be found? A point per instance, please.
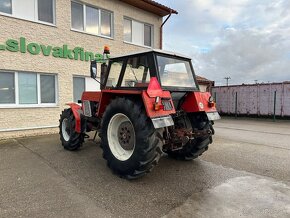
(121, 137)
(65, 129)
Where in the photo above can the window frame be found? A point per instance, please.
(36, 19)
(100, 9)
(143, 23)
(38, 89)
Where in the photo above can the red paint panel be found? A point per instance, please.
(149, 96)
(91, 96)
(197, 101)
(149, 104)
(126, 92)
(105, 100)
(154, 88)
(75, 108)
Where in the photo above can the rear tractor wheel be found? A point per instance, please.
(70, 139)
(129, 140)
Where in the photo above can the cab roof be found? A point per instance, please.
(153, 51)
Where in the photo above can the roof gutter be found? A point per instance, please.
(161, 29)
(169, 15)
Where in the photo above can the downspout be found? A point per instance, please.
(161, 29)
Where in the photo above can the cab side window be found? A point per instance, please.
(137, 72)
(114, 74)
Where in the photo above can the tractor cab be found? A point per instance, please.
(134, 71)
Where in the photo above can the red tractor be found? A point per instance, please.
(149, 104)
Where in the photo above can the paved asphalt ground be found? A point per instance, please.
(245, 173)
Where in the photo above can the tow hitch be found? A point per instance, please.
(175, 139)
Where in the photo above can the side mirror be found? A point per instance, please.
(93, 69)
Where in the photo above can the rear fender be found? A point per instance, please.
(150, 101)
(108, 95)
(77, 111)
(161, 117)
(198, 102)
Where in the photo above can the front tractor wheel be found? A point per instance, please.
(129, 140)
(70, 139)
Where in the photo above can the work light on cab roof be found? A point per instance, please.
(106, 49)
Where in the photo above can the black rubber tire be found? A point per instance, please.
(76, 139)
(148, 146)
(193, 149)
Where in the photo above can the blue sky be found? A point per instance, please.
(247, 40)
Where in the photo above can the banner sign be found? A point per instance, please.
(76, 53)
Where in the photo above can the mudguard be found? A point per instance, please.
(162, 117)
(77, 111)
(149, 99)
(198, 102)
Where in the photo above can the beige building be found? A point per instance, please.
(205, 85)
(46, 47)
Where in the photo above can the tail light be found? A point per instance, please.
(164, 104)
(211, 102)
(157, 106)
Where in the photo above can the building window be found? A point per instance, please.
(45, 11)
(27, 85)
(47, 89)
(127, 30)
(7, 88)
(138, 33)
(147, 35)
(91, 20)
(6, 6)
(79, 85)
(77, 17)
(106, 20)
(27, 89)
(34, 10)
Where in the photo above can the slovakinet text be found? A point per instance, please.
(77, 53)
